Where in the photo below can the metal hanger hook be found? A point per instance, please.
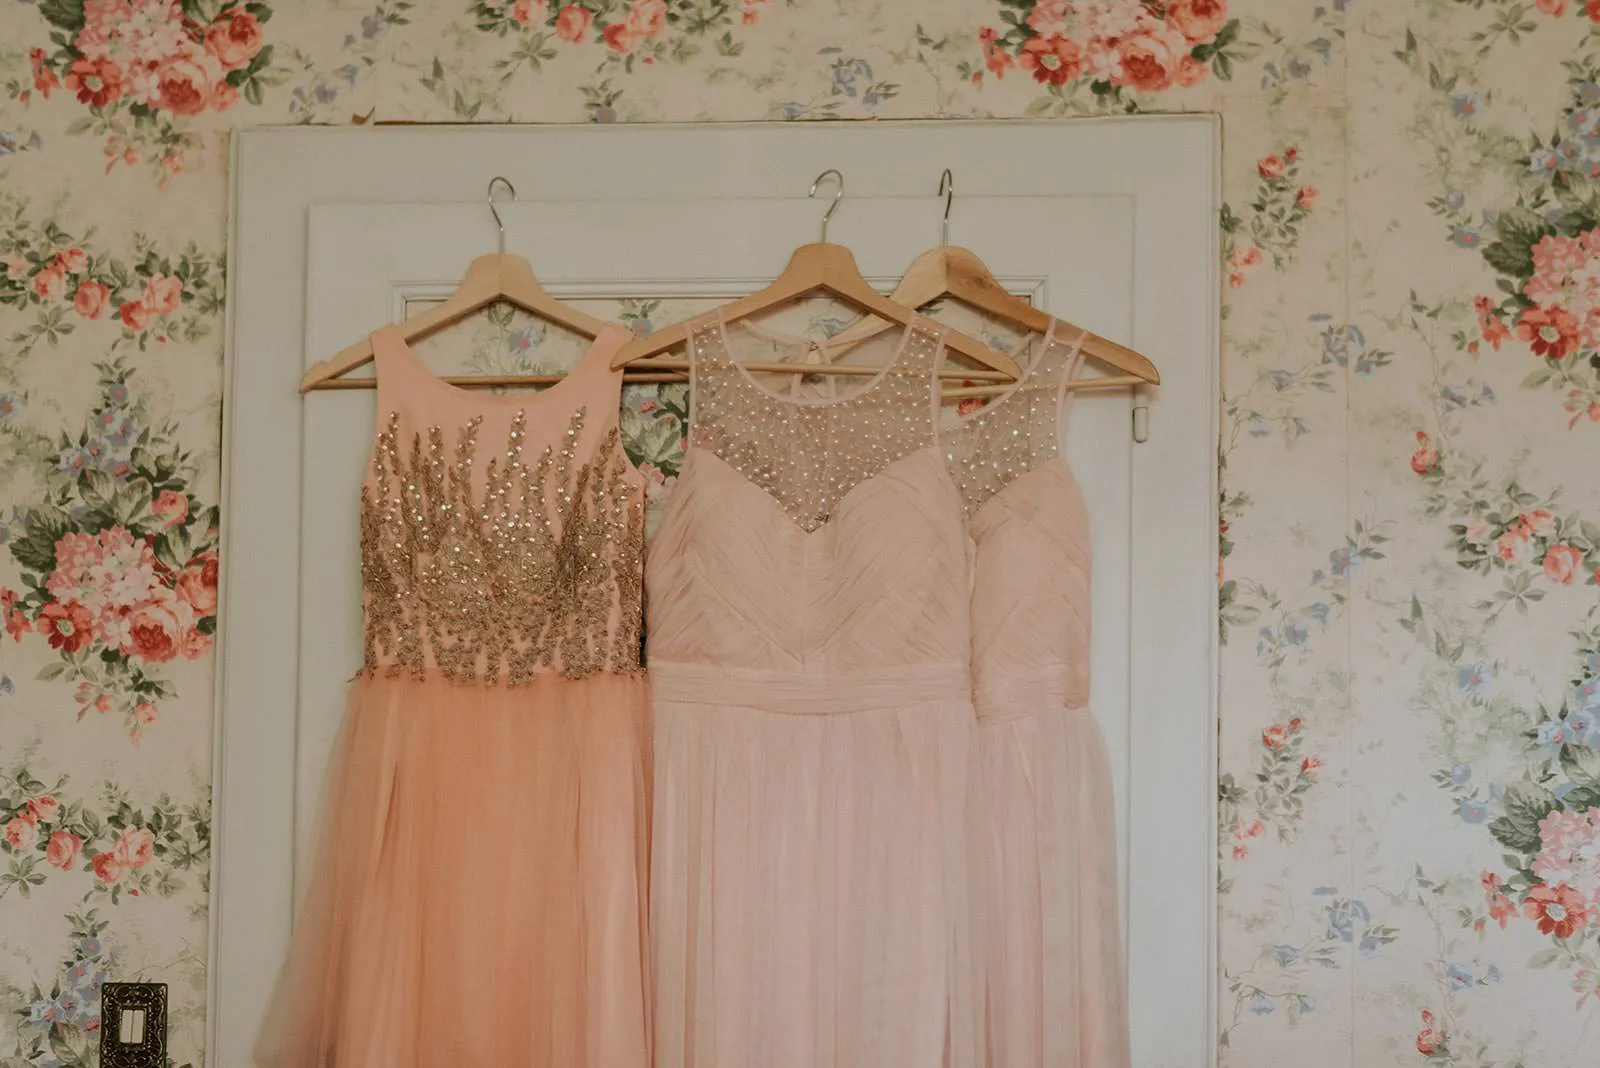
(497, 180)
(947, 189)
(837, 196)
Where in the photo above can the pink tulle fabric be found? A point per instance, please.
(1044, 839)
(479, 896)
(813, 733)
(480, 891)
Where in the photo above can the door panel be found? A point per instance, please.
(1101, 247)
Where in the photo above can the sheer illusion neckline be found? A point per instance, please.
(1028, 354)
(725, 340)
(605, 340)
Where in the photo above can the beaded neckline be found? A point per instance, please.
(810, 455)
(867, 387)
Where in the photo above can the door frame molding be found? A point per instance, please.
(1173, 605)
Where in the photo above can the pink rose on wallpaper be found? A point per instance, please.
(618, 37)
(1273, 166)
(21, 833)
(157, 628)
(62, 850)
(1191, 71)
(136, 847)
(1540, 521)
(1592, 9)
(1274, 736)
(573, 23)
(1307, 197)
(106, 867)
(1051, 60)
(234, 39)
(171, 506)
(187, 81)
(1552, 7)
(1108, 20)
(1425, 458)
(73, 260)
(144, 713)
(1562, 564)
(1049, 18)
(45, 808)
(1514, 547)
(648, 17)
(1570, 852)
(197, 583)
(1311, 768)
(1198, 20)
(1556, 910)
(527, 12)
(67, 624)
(97, 82)
(90, 299)
(106, 572)
(50, 283)
(1430, 1038)
(135, 314)
(1150, 59)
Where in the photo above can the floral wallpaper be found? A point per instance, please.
(1409, 779)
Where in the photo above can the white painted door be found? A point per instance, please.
(1125, 252)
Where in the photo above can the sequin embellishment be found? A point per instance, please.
(808, 455)
(1016, 432)
(521, 578)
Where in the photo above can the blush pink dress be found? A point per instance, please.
(480, 892)
(1044, 843)
(807, 601)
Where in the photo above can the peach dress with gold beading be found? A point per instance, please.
(808, 656)
(1044, 841)
(480, 892)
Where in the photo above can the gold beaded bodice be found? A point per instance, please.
(495, 556)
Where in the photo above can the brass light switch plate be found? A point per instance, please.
(133, 1025)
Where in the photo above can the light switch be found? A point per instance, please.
(130, 1029)
(134, 1031)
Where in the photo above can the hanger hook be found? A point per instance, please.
(497, 180)
(837, 196)
(947, 189)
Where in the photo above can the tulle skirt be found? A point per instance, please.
(480, 892)
(810, 903)
(1046, 856)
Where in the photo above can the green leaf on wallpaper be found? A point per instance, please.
(1582, 799)
(37, 550)
(1520, 229)
(1537, 378)
(1581, 764)
(51, 671)
(1526, 804)
(80, 126)
(67, 14)
(1544, 958)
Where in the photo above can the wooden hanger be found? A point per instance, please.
(827, 268)
(490, 279)
(957, 273)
